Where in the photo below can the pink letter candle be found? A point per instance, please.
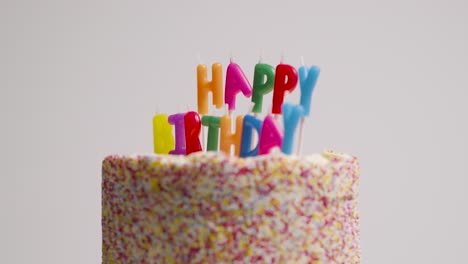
(270, 136)
(179, 123)
(235, 82)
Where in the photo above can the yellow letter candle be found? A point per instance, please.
(162, 133)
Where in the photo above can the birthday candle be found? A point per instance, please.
(307, 80)
(270, 136)
(235, 82)
(291, 116)
(179, 123)
(192, 132)
(215, 86)
(228, 138)
(213, 123)
(264, 77)
(162, 133)
(285, 80)
(250, 123)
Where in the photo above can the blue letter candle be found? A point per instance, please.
(291, 116)
(307, 80)
(250, 123)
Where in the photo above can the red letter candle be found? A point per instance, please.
(285, 80)
(235, 82)
(192, 132)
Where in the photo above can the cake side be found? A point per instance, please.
(212, 208)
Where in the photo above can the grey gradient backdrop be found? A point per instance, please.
(82, 79)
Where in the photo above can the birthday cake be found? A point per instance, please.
(212, 208)
(239, 201)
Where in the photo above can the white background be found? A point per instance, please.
(82, 79)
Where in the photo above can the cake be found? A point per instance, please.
(210, 207)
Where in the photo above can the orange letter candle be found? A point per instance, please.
(228, 138)
(215, 86)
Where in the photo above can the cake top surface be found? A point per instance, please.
(328, 175)
(323, 158)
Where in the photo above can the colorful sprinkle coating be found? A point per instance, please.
(212, 208)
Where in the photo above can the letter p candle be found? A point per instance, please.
(285, 80)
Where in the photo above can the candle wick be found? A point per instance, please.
(226, 111)
(252, 104)
(277, 117)
(199, 58)
(270, 109)
(299, 143)
(302, 61)
(282, 57)
(203, 137)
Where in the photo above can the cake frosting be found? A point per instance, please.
(213, 208)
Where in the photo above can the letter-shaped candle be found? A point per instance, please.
(250, 123)
(192, 132)
(285, 80)
(307, 80)
(264, 77)
(270, 136)
(162, 133)
(213, 123)
(204, 86)
(235, 82)
(291, 116)
(228, 138)
(179, 123)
